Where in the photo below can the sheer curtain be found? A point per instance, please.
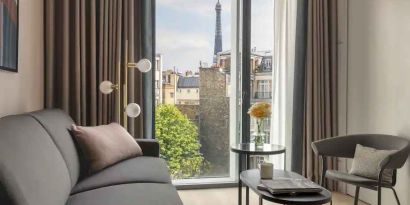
(282, 74)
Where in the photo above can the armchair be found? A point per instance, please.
(344, 147)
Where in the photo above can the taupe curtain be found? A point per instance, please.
(317, 103)
(85, 43)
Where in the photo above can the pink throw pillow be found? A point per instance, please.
(105, 145)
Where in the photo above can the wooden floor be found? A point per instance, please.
(228, 196)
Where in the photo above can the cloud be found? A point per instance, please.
(183, 49)
(202, 7)
(170, 39)
(262, 25)
(184, 38)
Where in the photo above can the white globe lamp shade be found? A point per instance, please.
(133, 110)
(144, 65)
(106, 87)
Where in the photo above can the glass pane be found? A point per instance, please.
(261, 59)
(192, 113)
(262, 28)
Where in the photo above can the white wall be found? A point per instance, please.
(378, 88)
(23, 91)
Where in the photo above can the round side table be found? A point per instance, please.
(249, 149)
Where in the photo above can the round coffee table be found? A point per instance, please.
(248, 149)
(251, 178)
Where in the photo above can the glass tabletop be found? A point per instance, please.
(251, 148)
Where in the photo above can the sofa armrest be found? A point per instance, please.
(150, 147)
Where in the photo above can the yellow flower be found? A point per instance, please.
(260, 110)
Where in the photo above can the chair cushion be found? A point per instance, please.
(353, 179)
(135, 170)
(128, 194)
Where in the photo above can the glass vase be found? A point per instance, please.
(259, 136)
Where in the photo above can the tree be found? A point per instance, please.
(178, 139)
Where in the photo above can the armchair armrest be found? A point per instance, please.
(396, 160)
(343, 146)
(150, 147)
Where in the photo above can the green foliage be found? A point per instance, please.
(178, 138)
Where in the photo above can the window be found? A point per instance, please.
(264, 79)
(201, 97)
(171, 94)
(263, 89)
(213, 118)
(262, 28)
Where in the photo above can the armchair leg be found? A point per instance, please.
(356, 196)
(395, 195)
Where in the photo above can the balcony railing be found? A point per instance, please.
(263, 95)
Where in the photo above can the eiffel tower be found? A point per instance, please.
(218, 32)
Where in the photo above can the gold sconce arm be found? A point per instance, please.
(132, 65)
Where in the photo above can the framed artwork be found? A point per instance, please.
(9, 35)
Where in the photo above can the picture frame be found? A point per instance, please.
(9, 30)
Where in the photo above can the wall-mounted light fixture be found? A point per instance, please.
(132, 110)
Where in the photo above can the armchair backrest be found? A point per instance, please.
(345, 146)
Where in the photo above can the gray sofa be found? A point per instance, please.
(40, 165)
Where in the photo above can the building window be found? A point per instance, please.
(171, 94)
(263, 86)
(188, 91)
(263, 89)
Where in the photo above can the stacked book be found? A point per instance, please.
(289, 186)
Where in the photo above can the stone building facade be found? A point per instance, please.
(169, 82)
(214, 120)
(191, 111)
(187, 91)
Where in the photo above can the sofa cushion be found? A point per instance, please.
(139, 169)
(128, 194)
(57, 123)
(32, 169)
(105, 145)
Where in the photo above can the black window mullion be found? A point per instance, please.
(246, 68)
(148, 51)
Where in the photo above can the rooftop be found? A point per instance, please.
(188, 82)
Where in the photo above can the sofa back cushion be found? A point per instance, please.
(32, 169)
(57, 124)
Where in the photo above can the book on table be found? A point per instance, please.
(289, 186)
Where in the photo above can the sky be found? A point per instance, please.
(185, 30)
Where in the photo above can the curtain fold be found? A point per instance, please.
(85, 44)
(315, 102)
(283, 58)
